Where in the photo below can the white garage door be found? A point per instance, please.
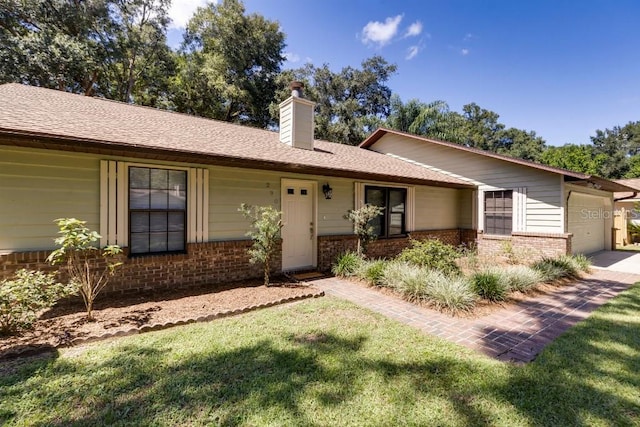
(586, 217)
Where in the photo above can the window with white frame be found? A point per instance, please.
(153, 209)
(498, 212)
(157, 210)
(393, 201)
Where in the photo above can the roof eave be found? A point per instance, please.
(56, 142)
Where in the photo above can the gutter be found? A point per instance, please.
(633, 196)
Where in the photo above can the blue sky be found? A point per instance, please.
(560, 68)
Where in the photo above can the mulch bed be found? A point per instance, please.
(119, 315)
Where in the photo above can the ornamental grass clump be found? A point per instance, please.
(372, 271)
(519, 277)
(452, 294)
(409, 280)
(347, 265)
(489, 285)
(25, 295)
(558, 268)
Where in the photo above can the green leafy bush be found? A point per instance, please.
(372, 271)
(22, 297)
(81, 259)
(266, 223)
(489, 285)
(347, 264)
(433, 255)
(519, 277)
(557, 268)
(449, 293)
(409, 280)
(361, 220)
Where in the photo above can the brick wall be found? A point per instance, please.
(203, 264)
(330, 247)
(529, 245)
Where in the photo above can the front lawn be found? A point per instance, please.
(327, 362)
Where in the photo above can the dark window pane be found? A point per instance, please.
(157, 242)
(178, 180)
(139, 177)
(290, 191)
(376, 223)
(158, 221)
(397, 200)
(139, 222)
(138, 199)
(159, 179)
(395, 223)
(139, 243)
(176, 221)
(159, 199)
(375, 196)
(303, 192)
(175, 241)
(177, 199)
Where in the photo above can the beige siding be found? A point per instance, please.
(436, 208)
(465, 208)
(229, 187)
(36, 187)
(544, 200)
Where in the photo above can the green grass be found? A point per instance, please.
(631, 248)
(326, 362)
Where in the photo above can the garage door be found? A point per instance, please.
(586, 218)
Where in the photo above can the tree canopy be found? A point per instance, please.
(229, 67)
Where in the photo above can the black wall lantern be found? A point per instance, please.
(327, 190)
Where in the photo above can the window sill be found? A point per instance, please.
(496, 236)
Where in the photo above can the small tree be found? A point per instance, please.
(361, 219)
(266, 223)
(24, 295)
(78, 252)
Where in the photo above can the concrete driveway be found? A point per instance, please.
(623, 261)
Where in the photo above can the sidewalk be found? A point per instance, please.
(516, 333)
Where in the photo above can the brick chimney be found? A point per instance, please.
(296, 119)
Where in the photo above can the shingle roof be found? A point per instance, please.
(45, 114)
(603, 183)
(632, 182)
(631, 196)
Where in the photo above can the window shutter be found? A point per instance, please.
(113, 203)
(359, 195)
(198, 203)
(410, 214)
(520, 209)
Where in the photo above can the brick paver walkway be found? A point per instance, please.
(516, 333)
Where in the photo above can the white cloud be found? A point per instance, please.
(414, 29)
(182, 10)
(468, 37)
(412, 52)
(464, 52)
(381, 33)
(292, 57)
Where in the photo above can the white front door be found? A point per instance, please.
(298, 231)
(586, 223)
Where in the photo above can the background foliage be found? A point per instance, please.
(229, 67)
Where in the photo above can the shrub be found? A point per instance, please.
(557, 268)
(78, 253)
(361, 220)
(407, 279)
(372, 271)
(347, 264)
(266, 223)
(580, 262)
(449, 293)
(24, 295)
(520, 278)
(433, 255)
(489, 285)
